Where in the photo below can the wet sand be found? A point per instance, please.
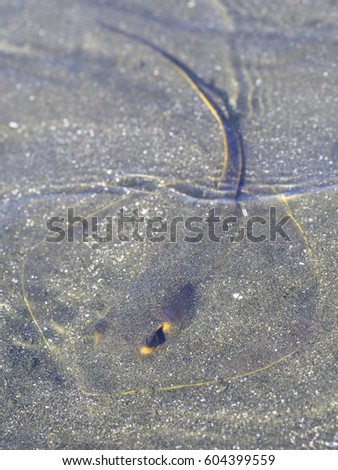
(85, 110)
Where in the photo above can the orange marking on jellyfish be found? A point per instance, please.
(177, 313)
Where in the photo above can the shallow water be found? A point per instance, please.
(253, 305)
(96, 121)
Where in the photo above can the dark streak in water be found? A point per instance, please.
(231, 176)
(181, 307)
